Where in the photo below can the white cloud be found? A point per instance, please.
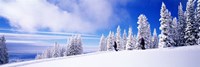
(84, 16)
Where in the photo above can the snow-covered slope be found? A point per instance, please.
(188, 56)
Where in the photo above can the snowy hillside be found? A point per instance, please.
(168, 57)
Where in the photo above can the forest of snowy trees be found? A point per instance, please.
(183, 31)
(74, 47)
(3, 51)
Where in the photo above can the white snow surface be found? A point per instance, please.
(188, 56)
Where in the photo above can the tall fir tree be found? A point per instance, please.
(118, 39)
(47, 53)
(198, 43)
(102, 43)
(130, 44)
(198, 20)
(62, 51)
(109, 42)
(134, 41)
(113, 39)
(175, 31)
(56, 50)
(154, 39)
(74, 47)
(3, 51)
(144, 31)
(53, 52)
(80, 44)
(171, 29)
(191, 28)
(181, 26)
(124, 39)
(165, 38)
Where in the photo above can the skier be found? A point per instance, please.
(115, 46)
(142, 43)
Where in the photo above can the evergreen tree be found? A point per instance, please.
(74, 47)
(113, 38)
(3, 51)
(80, 44)
(198, 20)
(198, 39)
(53, 52)
(63, 50)
(143, 31)
(165, 38)
(154, 39)
(56, 51)
(102, 43)
(110, 42)
(124, 39)
(130, 44)
(175, 31)
(38, 56)
(47, 54)
(118, 39)
(134, 41)
(181, 26)
(191, 28)
(171, 30)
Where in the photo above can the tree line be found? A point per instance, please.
(74, 47)
(183, 31)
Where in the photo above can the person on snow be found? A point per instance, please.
(142, 43)
(115, 46)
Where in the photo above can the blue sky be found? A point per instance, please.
(43, 22)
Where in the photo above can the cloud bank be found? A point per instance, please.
(83, 16)
(40, 38)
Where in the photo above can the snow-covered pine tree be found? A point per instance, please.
(171, 30)
(62, 51)
(134, 41)
(109, 42)
(198, 39)
(3, 51)
(102, 43)
(124, 40)
(198, 20)
(175, 31)
(71, 46)
(143, 32)
(68, 42)
(113, 38)
(191, 28)
(165, 38)
(38, 56)
(154, 39)
(80, 44)
(47, 54)
(56, 51)
(181, 26)
(118, 39)
(74, 47)
(130, 44)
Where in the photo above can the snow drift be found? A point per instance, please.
(167, 57)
